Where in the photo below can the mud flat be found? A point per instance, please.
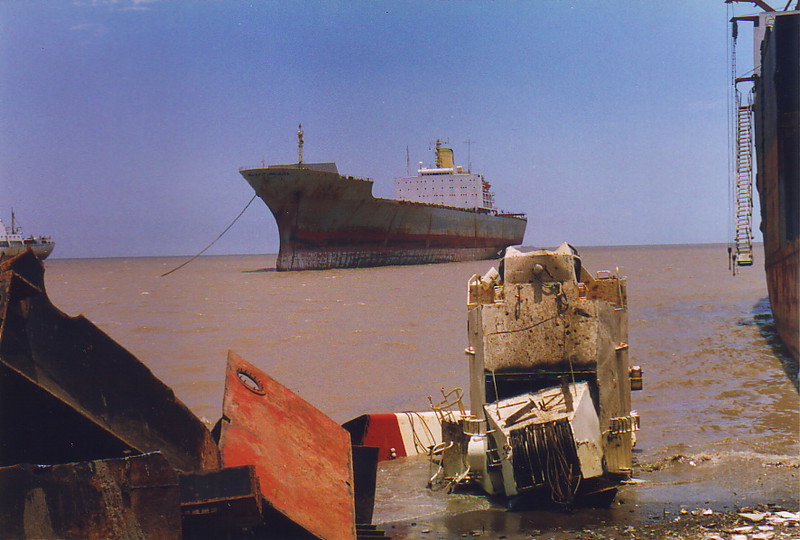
(760, 523)
(697, 497)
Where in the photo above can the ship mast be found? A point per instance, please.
(300, 144)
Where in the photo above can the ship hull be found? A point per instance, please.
(777, 123)
(326, 220)
(41, 249)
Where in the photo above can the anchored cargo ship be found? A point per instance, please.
(774, 105)
(13, 242)
(327, 220)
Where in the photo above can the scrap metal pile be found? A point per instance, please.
(549, 417)
(94, 446)
(550, 410)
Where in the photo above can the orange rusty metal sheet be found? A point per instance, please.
(303, 458)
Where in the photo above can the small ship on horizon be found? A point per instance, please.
(13, 242)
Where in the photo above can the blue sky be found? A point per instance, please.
(123, 123)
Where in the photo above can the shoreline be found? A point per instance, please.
(681, 500)
(763, 522)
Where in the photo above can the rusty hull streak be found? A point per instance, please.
(129, 498)
(82, 395)
(302, 457)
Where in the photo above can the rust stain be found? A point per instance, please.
(303, 458)
(129, 498)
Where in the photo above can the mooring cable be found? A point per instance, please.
(213, 241)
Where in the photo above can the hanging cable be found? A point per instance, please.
(213, 241)
(730, 42)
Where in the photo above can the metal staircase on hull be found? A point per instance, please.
(744, 184)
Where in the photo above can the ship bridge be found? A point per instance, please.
(446, 184)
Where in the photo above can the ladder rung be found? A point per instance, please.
(744, 186)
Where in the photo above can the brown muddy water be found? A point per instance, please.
(719, 409)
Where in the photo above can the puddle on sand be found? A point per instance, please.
(723, 482)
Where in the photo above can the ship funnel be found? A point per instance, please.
(444, 158)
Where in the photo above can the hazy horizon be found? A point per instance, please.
(128, 120)
(756, 244)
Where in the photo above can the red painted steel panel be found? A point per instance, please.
(383, 431)
(303, 458)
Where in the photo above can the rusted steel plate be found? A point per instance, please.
(783, 282)
(303, 458)
(296, 256)
(129, 498)
(365, 472)
(94, 399)
(220, 502)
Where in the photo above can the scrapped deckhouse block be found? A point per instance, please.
(550, 384)
(547, 438)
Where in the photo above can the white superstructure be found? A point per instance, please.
(445, 184)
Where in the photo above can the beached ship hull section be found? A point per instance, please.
(550, 407)
(71, 393)
(326, 220)
(777, 123)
